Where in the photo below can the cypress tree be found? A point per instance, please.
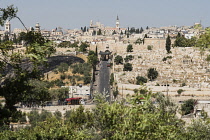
(96, 51)
(84, 29)
(168, 44)
(141, 30)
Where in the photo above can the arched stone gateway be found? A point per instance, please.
(105, 56)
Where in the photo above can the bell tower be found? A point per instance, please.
(7, 27)
(118, 23)
(37, 27)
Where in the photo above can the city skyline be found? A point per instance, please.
(134, 13)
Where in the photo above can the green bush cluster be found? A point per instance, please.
(63, 67)
(140, 80)
(35, 117)
(165, 58)
(84, 69)
(128, 58)
(128, 67)
(118, 60)
(68, 44)
(81, 68)
(188, 106)
(57, 82)
(114, 121)
(149, 47)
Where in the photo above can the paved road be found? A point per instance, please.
(104, 77)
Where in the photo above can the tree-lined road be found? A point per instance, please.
(104, 77)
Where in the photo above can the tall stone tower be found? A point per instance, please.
(91, 23)
(37, 27)
(118, 23)
(7, 27)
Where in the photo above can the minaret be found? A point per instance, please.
(91, 23)
(118, 23)
(37, 27)
(7, 27)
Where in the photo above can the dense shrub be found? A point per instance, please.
(188, 106)
(81, 68)
(140, 80)
(118, 59)
(63, 67)
(128, 58)
(115, 121)
(57, 82)
(128, 67)
(152, 73)
(149, 47)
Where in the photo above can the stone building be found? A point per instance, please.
(94, 28)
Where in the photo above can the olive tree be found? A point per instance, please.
(152, 74)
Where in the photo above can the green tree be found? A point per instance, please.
(111, 79)
(94, 33)
(139, 41)
(114, 32)
(181, 41)
(188, 106)
(15, 39)
(152, 74)
(128, 58)
(85, 29)
(115, 92)
(179, 91)
(83, 47)
(203, 41)
(141, 30)
(99, 32)
(92, 59)
(142, 119)
(137, 31)
(128, 67)
(121, 33)
(58, 115)
(140, 80)
(63, 67)
(59, 94)
(149, 47)
(18, 83)
(130, 48)
(132, 30)
(168, 44)
(87, 79)
(64, 44)
(21, 37)
(128, 35)
(96, 51)
(198, 130)
(7, 14)
(208, 58)
(118, 59)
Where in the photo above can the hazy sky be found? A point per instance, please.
(71, 14)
